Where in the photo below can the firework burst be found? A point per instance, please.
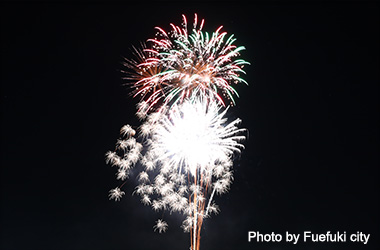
(187, 158)
(181, 63)
(185, 144)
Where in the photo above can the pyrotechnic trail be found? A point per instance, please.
(185, 143)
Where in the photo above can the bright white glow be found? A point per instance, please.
(194, 136)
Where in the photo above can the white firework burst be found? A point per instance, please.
(194, 136)
(187, 159)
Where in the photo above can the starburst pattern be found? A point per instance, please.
(184, 62)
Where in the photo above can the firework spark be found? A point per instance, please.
(185, 144)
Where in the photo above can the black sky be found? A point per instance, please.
(311, 108)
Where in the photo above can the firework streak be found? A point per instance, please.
(185, 143)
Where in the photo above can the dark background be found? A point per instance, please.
(311, 108)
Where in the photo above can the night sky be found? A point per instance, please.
(311, 108)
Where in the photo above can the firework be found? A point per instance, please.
(181, 63)
(185, 145)
(187, 158)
